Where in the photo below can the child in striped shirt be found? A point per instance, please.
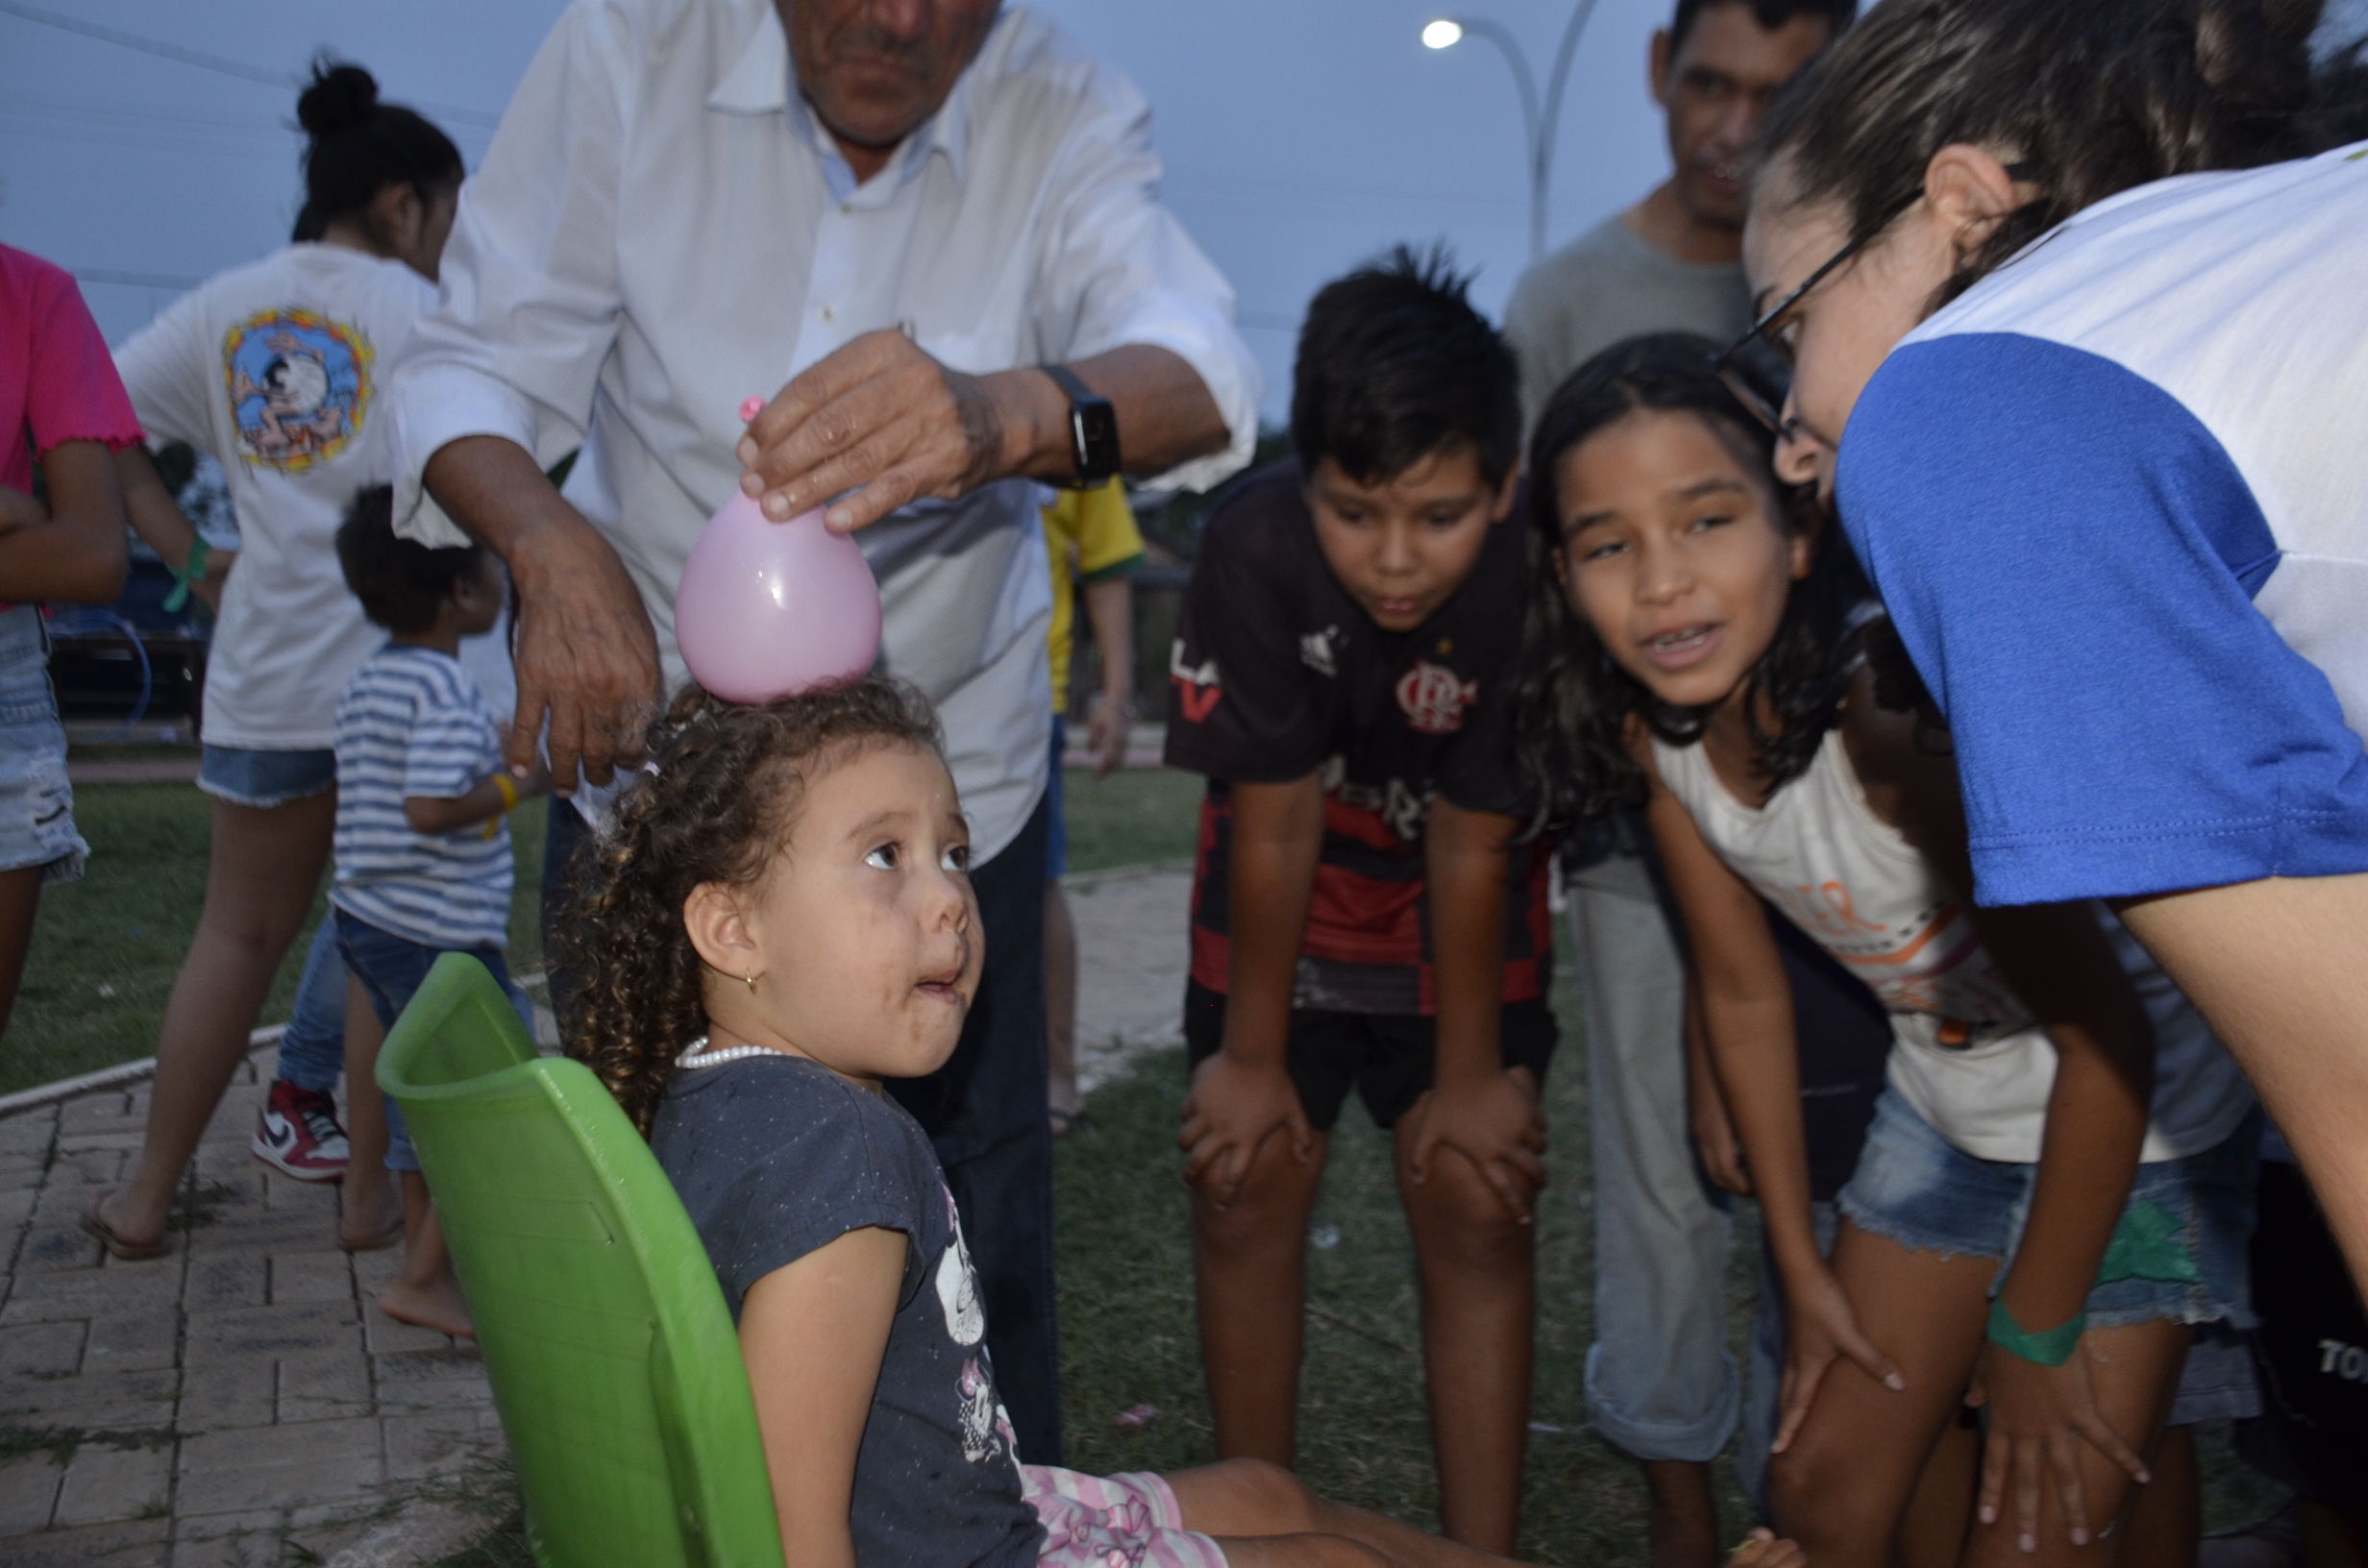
(423, 849)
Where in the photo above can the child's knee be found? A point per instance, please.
(1271, 1205)
(1461, 1219)
(1814, 1498)
(1277, 1498)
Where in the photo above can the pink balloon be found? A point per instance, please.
(769, 609)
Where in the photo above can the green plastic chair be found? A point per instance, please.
(612, 1356)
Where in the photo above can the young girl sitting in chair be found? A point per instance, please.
(779, 920)
(2057, 1182)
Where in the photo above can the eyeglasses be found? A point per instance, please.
(1729, 371)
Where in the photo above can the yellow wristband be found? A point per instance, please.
(510, 803)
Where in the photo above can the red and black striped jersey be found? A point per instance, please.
(1278, 672)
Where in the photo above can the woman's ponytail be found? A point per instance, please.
(357, 146)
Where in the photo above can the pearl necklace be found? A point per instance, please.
(698, 1055)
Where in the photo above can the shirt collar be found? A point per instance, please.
(759, 83)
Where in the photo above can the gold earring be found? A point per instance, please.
(752, 980)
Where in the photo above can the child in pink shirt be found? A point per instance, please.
(60, 406)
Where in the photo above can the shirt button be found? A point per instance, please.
(829, 314)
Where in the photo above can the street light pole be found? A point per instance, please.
(1538, 121)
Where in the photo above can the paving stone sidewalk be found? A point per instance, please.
(242, 1401)
(238, 1402)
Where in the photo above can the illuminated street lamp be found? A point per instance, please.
(1446, 32)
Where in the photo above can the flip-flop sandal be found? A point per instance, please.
(380, 1242)
(130, 1252)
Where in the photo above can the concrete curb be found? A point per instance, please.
(114, 1077)
(131, 1072)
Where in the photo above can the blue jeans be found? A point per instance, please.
(390, 968)
(312, 1046)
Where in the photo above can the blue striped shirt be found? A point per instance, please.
(413, 722)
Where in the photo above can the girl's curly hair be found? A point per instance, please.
(715, 803)
(1572, 703)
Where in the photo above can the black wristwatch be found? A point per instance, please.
(1093, 428)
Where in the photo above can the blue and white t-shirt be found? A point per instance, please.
(2116, 498)
(413, 722)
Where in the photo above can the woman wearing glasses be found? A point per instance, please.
(2079, 360)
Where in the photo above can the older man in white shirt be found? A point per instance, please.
(937, 223)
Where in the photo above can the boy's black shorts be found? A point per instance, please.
(1390, 1059)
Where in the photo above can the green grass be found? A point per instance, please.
(1136, 816)
(1128, 1338)
(106, 948)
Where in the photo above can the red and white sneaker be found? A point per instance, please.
(300, 1134)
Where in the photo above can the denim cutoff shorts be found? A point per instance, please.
(262, 779)
(1916, 1188)
(37, 802)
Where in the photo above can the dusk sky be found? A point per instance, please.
(1299, 137)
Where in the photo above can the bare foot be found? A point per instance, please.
(435, 1304)
(123, 1240)
(1763, 1550)
(369, 1212)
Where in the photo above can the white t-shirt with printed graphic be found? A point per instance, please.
(275, 369)
(1965, 1052)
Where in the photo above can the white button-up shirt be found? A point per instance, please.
(661, 230)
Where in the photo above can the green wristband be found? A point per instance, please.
(194, 570)
(2053, 1348)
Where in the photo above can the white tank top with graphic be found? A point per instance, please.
(1966, 1054)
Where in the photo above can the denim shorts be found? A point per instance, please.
(37, 802)
(264, 779)
(1916, 1188)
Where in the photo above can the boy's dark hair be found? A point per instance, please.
(1770, 14)
(1572, 703)
(2097, 97)
(715, 803)
(401, 582)
(357, 146)
(1394, 364)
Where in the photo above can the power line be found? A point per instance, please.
(204, 62)
(135, 279)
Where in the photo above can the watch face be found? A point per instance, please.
(1094, 430)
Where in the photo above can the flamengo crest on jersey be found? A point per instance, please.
(1435, 698)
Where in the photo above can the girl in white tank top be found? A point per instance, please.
(2050, 1091)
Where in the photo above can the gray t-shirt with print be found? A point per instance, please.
(775, 1156)
(1606, 286)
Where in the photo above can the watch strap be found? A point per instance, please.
(1068, 381)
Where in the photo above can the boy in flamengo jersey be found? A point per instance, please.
(1366, 909)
